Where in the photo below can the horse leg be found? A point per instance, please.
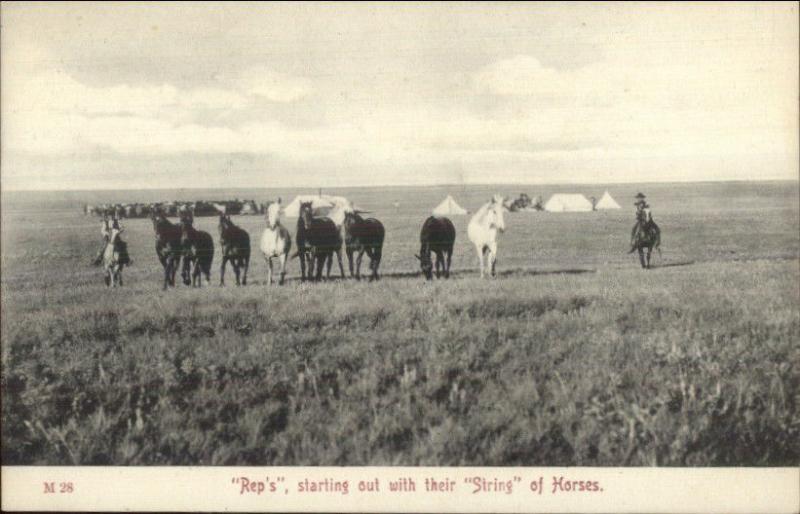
(245, 265)
(322, 259)
(269, 270)
(649, 253)
(282, 258)
(329, 263)
(222, 270)
(302, 255)
(167, 272)
(492, 257)
(119, 275)
(358, 263)
(641, 256)
(481, 252)
(339, 259)
(349, 251)
(449, 253)
(236, 270)
(376, 262)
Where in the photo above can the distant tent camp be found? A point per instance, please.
(292, 210)
(448, 207)
(568, 203)
(606, 202)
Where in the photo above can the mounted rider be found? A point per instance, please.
(644, 220)
(105, 230)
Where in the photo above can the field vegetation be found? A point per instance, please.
(572, 356)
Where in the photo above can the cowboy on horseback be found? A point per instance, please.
(105, 231)
(644, 221)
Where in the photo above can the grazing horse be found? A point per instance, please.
(321, 240)
(438, 236)
(482, 231)
(115, 256)
(169, 247)
(235, 243)
(276, 242)
(198, 252)
(363, 235)
(648, 236)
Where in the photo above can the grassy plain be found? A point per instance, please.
(573, 356)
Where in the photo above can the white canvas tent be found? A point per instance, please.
(448, 207)
(292, 210)
(568, 203)
(606, 202)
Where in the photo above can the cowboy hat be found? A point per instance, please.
(640, 195)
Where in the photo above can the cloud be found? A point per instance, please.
(521, 75)
(274, 86)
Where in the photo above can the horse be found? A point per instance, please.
(363, 235)
(321, 240)
(482, 231)
(169, 247)
(277, 242)
(648, 236)
(115, 256)
(198, 248)
(438, 235)
(235, 244)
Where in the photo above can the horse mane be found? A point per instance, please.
(480, 214)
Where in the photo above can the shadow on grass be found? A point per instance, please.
(454, 274)
(672, 264)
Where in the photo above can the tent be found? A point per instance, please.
(448, 207)
(568, 203)
(292, 210)
(606, 202)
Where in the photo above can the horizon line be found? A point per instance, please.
(444, 184)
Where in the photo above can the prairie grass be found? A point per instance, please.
(584, 361)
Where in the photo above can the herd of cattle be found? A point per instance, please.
(199, 208)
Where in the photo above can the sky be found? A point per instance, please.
(162, 95)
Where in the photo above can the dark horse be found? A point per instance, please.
(363, 235)
(198, 251)
(438, 236)
(235, 243)
(648, 236)
(320, 239)
(303, 251)
(169, 247)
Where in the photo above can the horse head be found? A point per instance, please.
(224, 223)
(425, 263)
(494, 214)
(306, 213)
(274, 214)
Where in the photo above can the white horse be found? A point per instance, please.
(275, 241)
(482, 231)
(112, 257)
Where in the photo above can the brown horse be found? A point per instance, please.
(235, 243)
(198, 252)
(363, 235)
(169, 247)
(438, 235)
(321, 240)
(647, 236)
